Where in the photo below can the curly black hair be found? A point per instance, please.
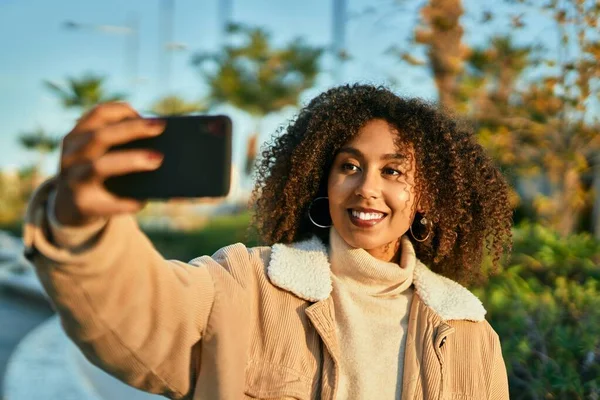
(466, 195)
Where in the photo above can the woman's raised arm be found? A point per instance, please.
(132, 313)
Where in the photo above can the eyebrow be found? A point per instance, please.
(358, 153)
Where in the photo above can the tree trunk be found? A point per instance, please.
(596, 190)
(570, 204)
(446, 52)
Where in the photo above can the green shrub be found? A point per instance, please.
(546, 308)
(186, 245)
(14, 228)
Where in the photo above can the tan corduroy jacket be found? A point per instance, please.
(246, 323)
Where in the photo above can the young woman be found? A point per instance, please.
(371, 207)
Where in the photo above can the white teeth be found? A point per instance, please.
(366, 216)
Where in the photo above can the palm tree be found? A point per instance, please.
(43, 144)
(175, 105)
(255, 77)
(83, 93)
(38, 140)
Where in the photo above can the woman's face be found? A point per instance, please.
(371, 190)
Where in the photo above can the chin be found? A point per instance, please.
(362, 241)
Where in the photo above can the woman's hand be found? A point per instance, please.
(85, 163)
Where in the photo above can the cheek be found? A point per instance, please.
(338, 193)
(402, 199)
(335, 202)
(337, 189)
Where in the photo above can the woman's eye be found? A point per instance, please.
(350, 167)
(392, 171)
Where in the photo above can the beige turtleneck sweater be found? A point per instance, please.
(372, 301)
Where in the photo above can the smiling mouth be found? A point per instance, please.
(366, 219)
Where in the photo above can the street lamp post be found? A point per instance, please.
(167, 14)
(225, 13)
(167, 46)
(339, 37)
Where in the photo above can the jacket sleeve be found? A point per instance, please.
(499, 383)
(131, 312)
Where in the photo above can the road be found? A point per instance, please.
(18, 315)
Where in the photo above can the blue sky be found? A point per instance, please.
(35, 47)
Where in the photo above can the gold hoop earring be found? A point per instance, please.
(426, 223)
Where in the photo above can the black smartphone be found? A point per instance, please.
(197, 161)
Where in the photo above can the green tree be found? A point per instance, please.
(534, 105)
(15, 189)
(493, 71)
(83, 92)
(39, 141)
(42, 143)
(543, 126)
(563, 110)
(176, 105)
(257, 77)
(484, 94)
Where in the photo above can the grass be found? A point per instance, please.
(220, 232)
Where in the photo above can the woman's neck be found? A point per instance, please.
(390, 252)
(360, 270)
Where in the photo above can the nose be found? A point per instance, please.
(369, 186)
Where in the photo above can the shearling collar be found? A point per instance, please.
(303, 268)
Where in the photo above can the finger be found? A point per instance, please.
(93, 144)
(104, 114)
(128, 131)
(121, 162)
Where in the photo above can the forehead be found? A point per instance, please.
(378, 137)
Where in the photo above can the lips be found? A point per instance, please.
(365, 218)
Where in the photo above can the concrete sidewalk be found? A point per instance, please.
(40, 369)
(19, 315)
(45, 364)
